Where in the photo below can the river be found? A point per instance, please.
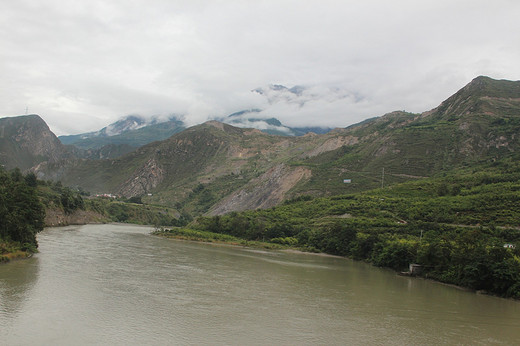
(119, 285)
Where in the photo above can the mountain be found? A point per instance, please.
(216, 168)
(250, 119)
(26, 141)
(129, 123)
(129, 133)
(296, 96)
(483, 95)
(108, 151)
(481, 121)
(196, 167)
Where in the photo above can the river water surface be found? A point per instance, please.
(118, 285)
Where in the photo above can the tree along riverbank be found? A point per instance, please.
(21, 215)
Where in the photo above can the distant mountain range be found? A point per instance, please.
(124, 135)
(216, 168)
(133, 131)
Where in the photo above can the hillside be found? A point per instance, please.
(480, 121)
(195, 167)
(439, 188)
(216, 168)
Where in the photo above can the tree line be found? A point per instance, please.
(21, 212)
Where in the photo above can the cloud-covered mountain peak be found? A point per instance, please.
(260, 120)
(128, 123)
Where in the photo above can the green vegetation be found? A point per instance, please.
(189, 234)
(59, 198)
(211, 237)
(135, 213)
(454, 225)
(21, 214)
(56, 196)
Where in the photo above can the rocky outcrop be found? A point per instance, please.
(144, 180)
(263, 192)
(57, 217)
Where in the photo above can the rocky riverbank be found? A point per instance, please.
(57, 217)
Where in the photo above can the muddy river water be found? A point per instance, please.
(119, 285)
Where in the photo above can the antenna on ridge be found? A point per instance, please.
(26, 110)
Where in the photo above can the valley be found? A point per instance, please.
(438, 188)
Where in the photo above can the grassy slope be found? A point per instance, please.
(481, 121)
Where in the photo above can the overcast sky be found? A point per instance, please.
(81, 65)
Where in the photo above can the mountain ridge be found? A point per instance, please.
(216, 168)
(133, 131)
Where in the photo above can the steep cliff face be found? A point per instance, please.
(26, 141)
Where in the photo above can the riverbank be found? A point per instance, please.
(57, 217)
(10, 251)
(216, 238)
(224, 239)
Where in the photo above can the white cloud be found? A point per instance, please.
(83, 64)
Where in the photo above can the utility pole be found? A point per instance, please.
(383, 178)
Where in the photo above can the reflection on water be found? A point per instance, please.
(16, 281)
(116, 284)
